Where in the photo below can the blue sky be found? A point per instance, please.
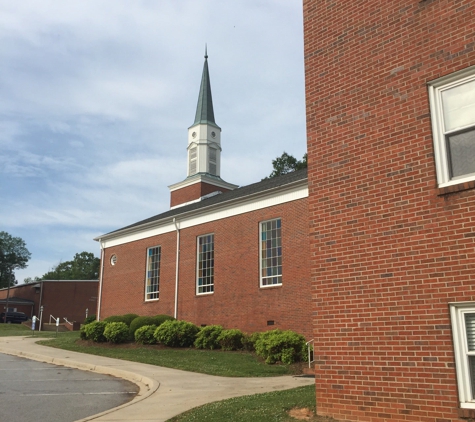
(97, 97)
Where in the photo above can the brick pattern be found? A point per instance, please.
(66, 299)
(237, 301)
(193, 192)
(389, 250)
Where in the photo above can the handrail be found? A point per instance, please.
(70, 323)
(309, 350)
(55, 319)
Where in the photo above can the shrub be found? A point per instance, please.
(82, 333)
(176, 333)
(207, 337)
(89, 319)
(95, 331)
(144, 335)
(249, 341)
(281, 346)
(147, 320)
(231, 339)
(116, 332)
(126, 319)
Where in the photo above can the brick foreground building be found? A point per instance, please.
(222, 254)
(61, 298)
(390, 93)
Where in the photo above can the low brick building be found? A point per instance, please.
(390, 92)
(60, 298)
(222, 254)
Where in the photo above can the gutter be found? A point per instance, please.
(99, 298)
(177, 266)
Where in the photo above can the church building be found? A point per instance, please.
(222, 254)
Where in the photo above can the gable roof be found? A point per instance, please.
(265, 185)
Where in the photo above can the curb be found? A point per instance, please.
(147, 386)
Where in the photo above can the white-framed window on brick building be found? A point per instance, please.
(270, 252)
(452, 103)
(152, 281)
(205, 264)
(463, 331)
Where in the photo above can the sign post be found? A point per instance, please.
(33, 324)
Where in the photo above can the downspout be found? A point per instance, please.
(99, 298)
(41, 304)
(177, 266)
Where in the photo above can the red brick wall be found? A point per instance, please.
(237, 301)
(389, 252)
(192, 192)
(63, 299)
(69, 299)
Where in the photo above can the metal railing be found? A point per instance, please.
(310, 352)
(56, 320)
(70, 323)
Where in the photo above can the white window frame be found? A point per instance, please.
(262, 278)
(438, 131)
(200, 288)
(462, 366)
(148, 278)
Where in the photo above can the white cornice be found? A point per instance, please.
(276, 196)
(203, 177)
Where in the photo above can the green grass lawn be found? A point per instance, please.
(257, 408)
(267, 407)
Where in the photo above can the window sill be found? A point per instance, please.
(459, 187)
(204, 294)
(151, 300)
(271, 286)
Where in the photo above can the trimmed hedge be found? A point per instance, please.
(126, 319)
(231, 339)
(147, 320)
(144, 335)
(95, 331)
(176, 333)
(116, 332)
(89, 319)
(281, 346)
(207, 337)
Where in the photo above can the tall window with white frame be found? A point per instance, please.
(152, 282)
(205, 264)
(463, 331)
(271, 253)
(452, 101)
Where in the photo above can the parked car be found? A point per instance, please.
(13, 317)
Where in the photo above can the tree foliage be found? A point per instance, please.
(84, 266)
(286, 164)
(13, 256)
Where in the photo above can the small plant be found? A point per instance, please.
(144, 335)
(281, 346)
(95, 331)
(176, 333)
(128, 318)
(147, 320)
(89, 319)
(231, 339)
(207, 337)
(116, 332)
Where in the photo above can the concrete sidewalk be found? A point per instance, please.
(164, 392)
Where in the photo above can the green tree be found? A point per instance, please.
(286, 164)
(84, 266)
(13, 256)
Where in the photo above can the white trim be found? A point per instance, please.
(457, 311)
(208, 214)
(204, 178)
(436, 88)
(197, 254)
(154, 299)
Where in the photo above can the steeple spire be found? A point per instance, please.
(204, 109)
